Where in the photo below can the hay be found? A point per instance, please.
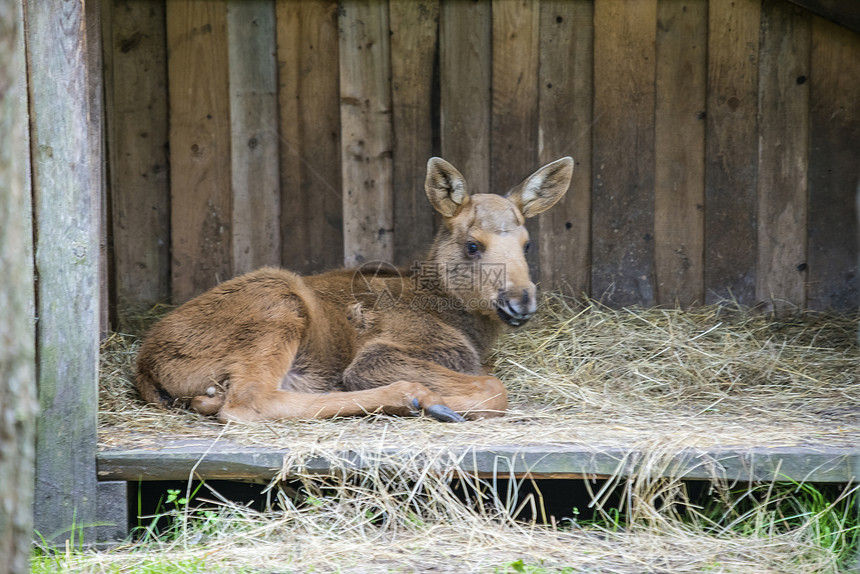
(649, 380)
(585, 374)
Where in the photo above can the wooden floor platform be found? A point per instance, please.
(223, 460)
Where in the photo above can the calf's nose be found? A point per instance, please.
(524, 304)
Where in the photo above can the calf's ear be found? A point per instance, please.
(445, 187)
(542, 189)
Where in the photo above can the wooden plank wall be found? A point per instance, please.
(66, 176)
(716, 141)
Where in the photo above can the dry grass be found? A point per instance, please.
(652, 380)
(585, 374)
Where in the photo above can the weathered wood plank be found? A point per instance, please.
(96, 109)
(679, 179)
(514, 131)
(414, 33)
(253, 138)
(365, 116)
(309, 121)
(515, 93)
(465, 70)
(225, 461)
(731, 150)
(200, 179)
(833, 167)
(17, 330)
(135, 55)
(66, 169)
(838, 11)
(783, 154)
(623, 193)
(566, 87)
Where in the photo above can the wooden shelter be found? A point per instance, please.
(177, 143)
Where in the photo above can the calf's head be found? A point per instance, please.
(481, 247)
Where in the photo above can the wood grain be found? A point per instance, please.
(18, 408)
(783, 154)
(566, 87)
(200, 179)
(465, 69)
(679, 178)
(228, 461)
(834, 176)
(137, 136)
(414, 33)
(623, 193)
(309, 124)
(515, 94)
(731, 152)
(66, 171)
(366, 146)
(254, 139)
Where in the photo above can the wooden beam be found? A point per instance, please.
(366, 146)
(465, 70)
(17, 329)
(414, 33)
(566, 85)
(622, 221)
(679, 179)
(238, 462)
(66, 163)
(200, 174)
(254, 140)
(135, 54)
(842, 12)
(833, 159)
(783, 155)
(731, 151)
(309, 116)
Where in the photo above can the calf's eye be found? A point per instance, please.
(527, 246)
(472, 248)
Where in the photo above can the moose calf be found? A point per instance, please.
(273, 345)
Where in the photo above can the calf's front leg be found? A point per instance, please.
(399, 398)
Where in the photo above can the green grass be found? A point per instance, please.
(821, 516)
(63, 563)
(810, 529)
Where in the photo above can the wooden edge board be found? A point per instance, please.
(845, 14)
(756, 464)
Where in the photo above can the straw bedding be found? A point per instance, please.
(651, 380)
(580, 374)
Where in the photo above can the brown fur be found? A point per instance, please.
(273, 345)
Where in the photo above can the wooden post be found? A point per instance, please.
(679, 186)
(623, 194)
(253, 131)
(135, 53)
(17, 331)
(66, 164)
(783, 154)
(833, 160)
(465, 69)
(414, 27)
(309, 115)
(200, 179)
(566, 86)
(731, 150)
(365, 114)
